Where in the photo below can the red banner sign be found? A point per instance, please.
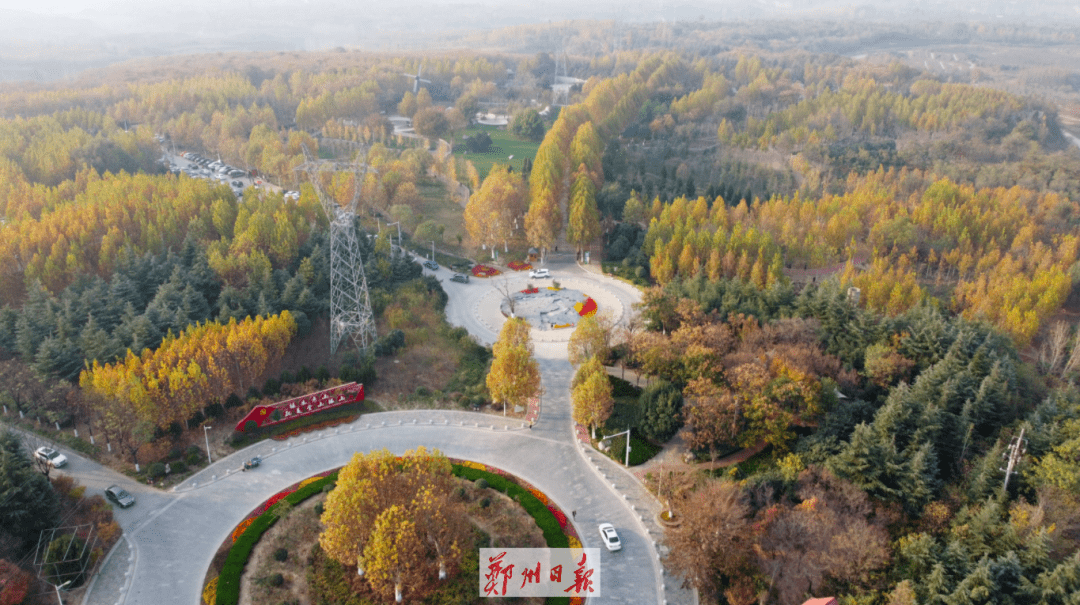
(305, 405)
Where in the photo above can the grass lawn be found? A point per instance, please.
(503, 145)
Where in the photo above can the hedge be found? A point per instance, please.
(228, 588)
(553, 533)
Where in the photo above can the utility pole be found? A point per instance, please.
(206, 435)
(1017, 447)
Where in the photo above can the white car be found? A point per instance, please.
(539, 273)
(610, 538)
(50, 456)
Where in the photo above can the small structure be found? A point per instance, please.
(821, 601)
(305, 405)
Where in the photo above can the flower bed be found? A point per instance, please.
(561, 326)
(315, 427)
(587, 308)
(518, 265)
(559, 532)
(530, 291)
(485, 271)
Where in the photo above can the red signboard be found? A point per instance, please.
(305, 405)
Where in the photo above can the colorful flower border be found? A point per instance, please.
(518, 265)
(485, 271)
(587, 308)
(209, 593)
(533, 290)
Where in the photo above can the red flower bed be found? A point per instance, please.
(485, 271)
(518, 265)
(530, 290)
(588, 308)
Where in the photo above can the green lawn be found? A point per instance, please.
(503, 145)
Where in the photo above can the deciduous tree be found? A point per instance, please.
(712, 544)
(591, 394)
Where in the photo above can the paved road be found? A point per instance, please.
(171, 537)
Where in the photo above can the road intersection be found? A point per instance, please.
(170, 537)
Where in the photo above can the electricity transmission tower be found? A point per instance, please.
(350, 306)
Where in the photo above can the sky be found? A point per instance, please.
(51, 39)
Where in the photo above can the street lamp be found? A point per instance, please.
(206, 435)
(58, 591)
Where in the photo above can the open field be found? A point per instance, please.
(503, 145)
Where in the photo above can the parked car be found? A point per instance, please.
(239, 184)
(430, 264)
(50, 456)
(119, 496)
(610, 538)
(236, 173)
(460, 278)
(539, 273)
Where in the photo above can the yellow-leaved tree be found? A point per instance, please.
(514, 376)
(591, 394)
(394, 520)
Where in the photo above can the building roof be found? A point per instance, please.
(821, 601)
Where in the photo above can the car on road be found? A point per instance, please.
(610, 538)
(292, 195)
(119, 496)
(539, 273)
(238, 184)
(461, 278)
(50, 456)
(430, 264)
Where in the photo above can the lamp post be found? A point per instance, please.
(398, 223)
(58, 591)
(627, 433)
(206, 435)
(432, 249)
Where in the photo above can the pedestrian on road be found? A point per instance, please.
(573, 514)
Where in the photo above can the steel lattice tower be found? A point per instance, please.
(350, 306)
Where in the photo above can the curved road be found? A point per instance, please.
(170, 538)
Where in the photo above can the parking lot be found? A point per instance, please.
(197, 166)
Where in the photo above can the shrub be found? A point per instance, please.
(233, 401)
(194, 458)
(251, 426)
(485, 502)
(478, 143)
(281, 554)
(661, 404)
(319, 508)
(322, 374)
(253, 392)
(303, 375)
(287, 378)
(155, 470)
(481, 483)
(276, 580)
(192, 449)
(179, 466)
(196, 418)
(272, 386)
(215, 410)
